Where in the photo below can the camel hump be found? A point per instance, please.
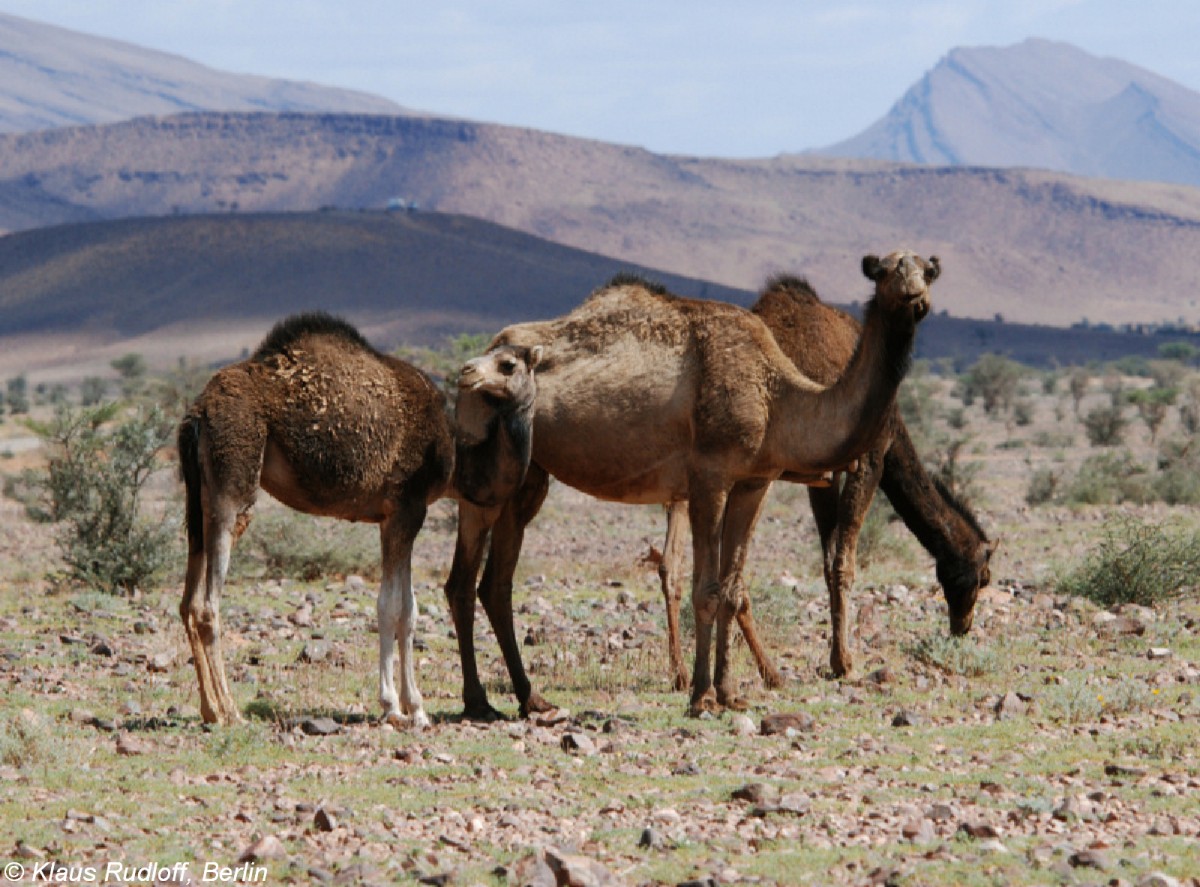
(626, 279)
(314, 323)
(788, 286)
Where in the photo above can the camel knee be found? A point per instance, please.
(706, 603)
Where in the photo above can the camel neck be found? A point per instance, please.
(823, 430)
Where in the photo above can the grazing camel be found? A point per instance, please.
(820, 341)
(644, 397)
(329, 426)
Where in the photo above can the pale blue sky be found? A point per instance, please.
(748, 79)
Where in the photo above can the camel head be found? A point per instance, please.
(902, 280)
(961, 585)
(504, 375)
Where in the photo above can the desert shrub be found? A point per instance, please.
(1077, 384)
(99, 463)
(444, 362)
(1053, 439)
(993, 379)
(1152, 405)
(955, 655)
(1110, 478)
(285, 544)
(1023, 411)
(1043, 484)
(959, 476)
(16, 394)
(1137, 561)
(92, 391)
(956, 418)
(1105, 425)
(1178, 480)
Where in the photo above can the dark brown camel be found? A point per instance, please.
(820, 340)
(644, 397)
(329, 426)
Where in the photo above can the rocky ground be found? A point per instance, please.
(1057, 744)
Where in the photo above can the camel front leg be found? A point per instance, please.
(670, 569)
(706, 509)
(396, 609)
(474, 524)
(839, 515)
(496, 586)
(741, 516)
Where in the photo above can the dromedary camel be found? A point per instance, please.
(820, 340)
(644, 397)
(329, 426)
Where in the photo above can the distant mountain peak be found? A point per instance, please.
(52, 77)
(1043, 104)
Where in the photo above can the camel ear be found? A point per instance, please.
(933, 270)
(872, 268)
(535, 356)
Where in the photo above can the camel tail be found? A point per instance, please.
(188, 443)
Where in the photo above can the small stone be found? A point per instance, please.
(1011, 706)
(760, 793)
(303, 617)
(978, 830)
(551, 718)
(319, 726)
(1157, 653)
(918, 831)
(651, 840)
(578, 744)
(1073, 807)
(102, 648)
(570, 868)
(1158, 879)
(1124, 771)
(324, 821)
(906, 718)
(82, 716)
(882, 676)
(266, 847)
(773, 725)
(1089, 859)
(1125, 626)
(128, 746)
(743, 725)
(161, 662)
(314, 651)
(24, 851)
(941, 812)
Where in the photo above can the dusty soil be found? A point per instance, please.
(1057, 744)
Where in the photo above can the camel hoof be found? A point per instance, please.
(482, 712)
(736, 703)
(773, 680)
(416, 722)
(707, 703)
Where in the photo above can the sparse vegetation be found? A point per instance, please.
(1139, 562)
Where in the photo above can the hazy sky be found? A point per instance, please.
(752, 78)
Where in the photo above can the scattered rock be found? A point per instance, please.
(578, 744)
(102, 648)
(324, 821)
(760, 793)
(551, 718)
(314, 651)
(319, 726)
(1088, 859)
(303, 617)
(532, 871)
(978, 830)
(161, 662)
(800, 722)
(1010, 706)
(1158, 879)
(1124, 771)
(743, 725)
(266, 847)
(579, 871)
(882, 676)
(128, 746)
(1157, 653)
(906, 718)
(651, 840)
(918, 830)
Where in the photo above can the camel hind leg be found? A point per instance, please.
(220, 489)
(397, 609)
(670, 570)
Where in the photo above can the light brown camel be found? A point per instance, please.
(820, 341)
(329, 426)
(644, 397)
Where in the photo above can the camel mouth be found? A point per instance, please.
(961, 625)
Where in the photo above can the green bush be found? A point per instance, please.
(1043, 485)
(1178, 480)
(1110, 478)
(1105, 425)
(286, 544)
(99, 463)
(1137, 562)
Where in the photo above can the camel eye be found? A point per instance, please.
(507, 367)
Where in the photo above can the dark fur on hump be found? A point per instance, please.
(628, 278)
(313, 323)
(789, 284)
